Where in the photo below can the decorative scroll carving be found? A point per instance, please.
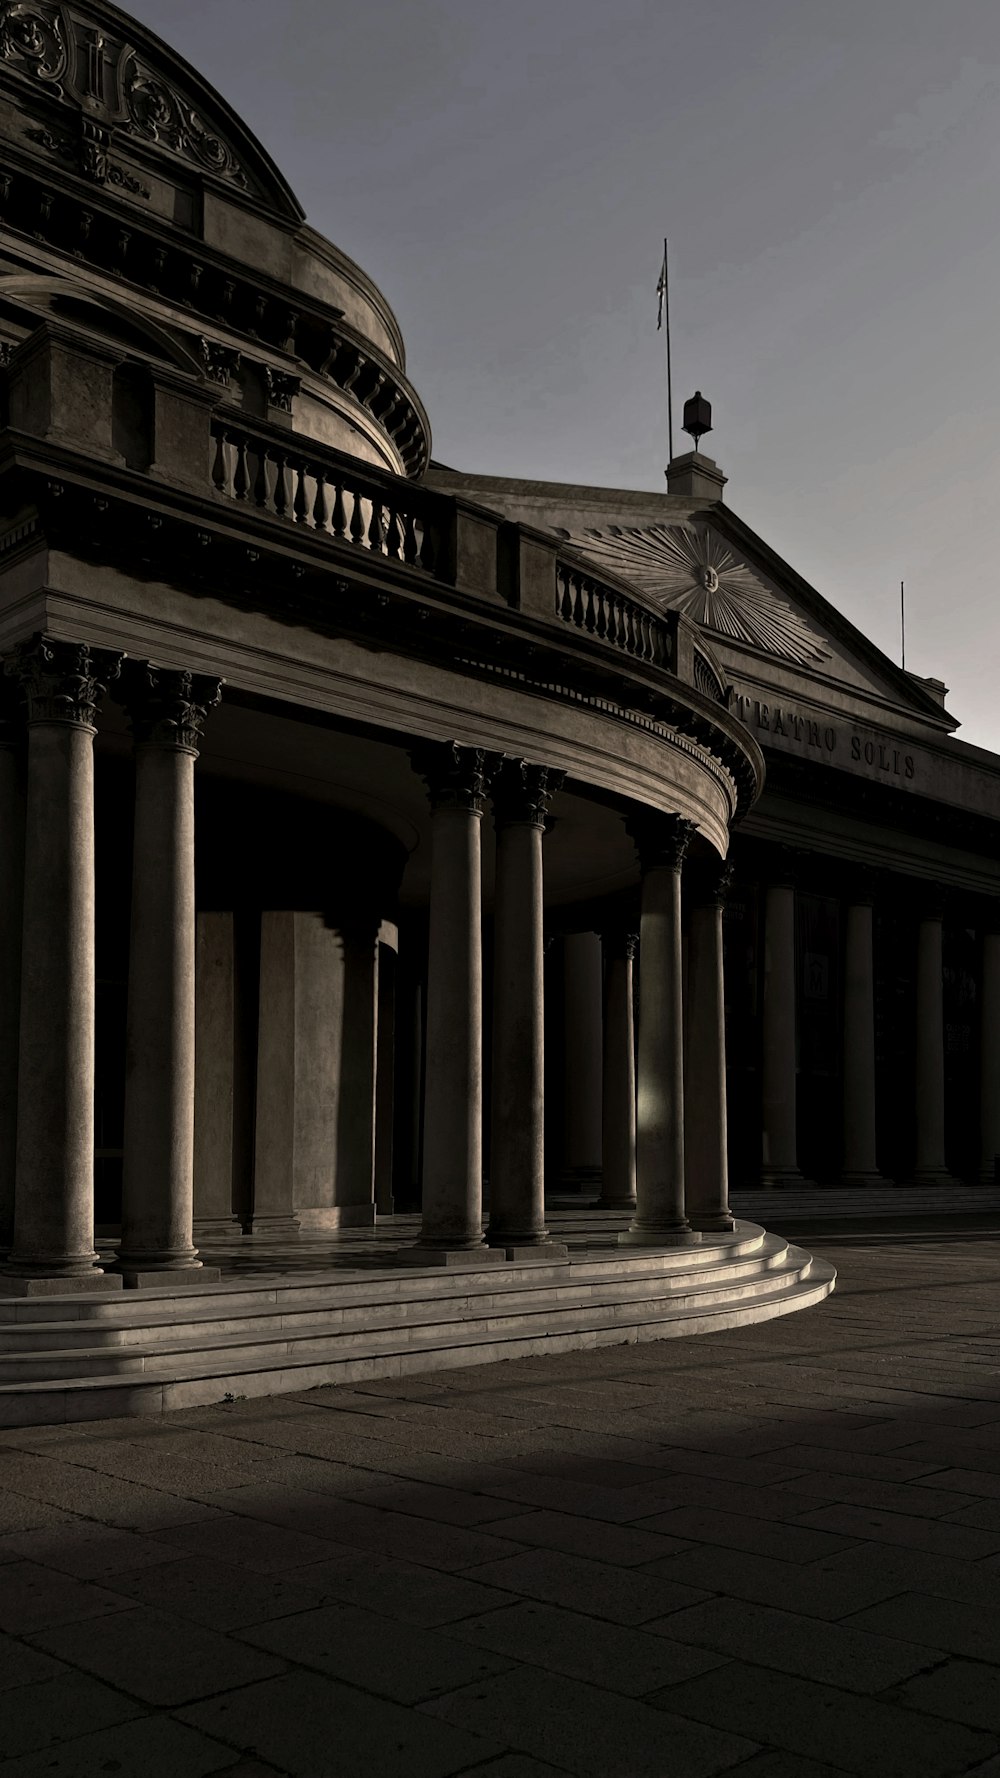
(457, 777)
(621, 943)
(62, 681)
(221, 362)
(660, 840)
(711, 882)
(689, 568)
(158, 113)
(521, 793)
(91, 156)
(282, 388)
(32, 39)
(167, 706)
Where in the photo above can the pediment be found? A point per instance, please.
(117, 87)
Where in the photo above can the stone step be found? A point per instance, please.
(181, 1343)
(204, 1381)
(261, 1312)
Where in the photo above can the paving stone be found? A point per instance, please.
(901, 1497)
(19, 1513)
(836, 1654)
(349, 1526)
(983, 1514)
(857, 1734)
(220, 1595)
(623, 1596)
(33, 1598)
(60, 1708)
(733, 1530)
(960, 1691)
(84, 1549)
(402, 1590)
(816, 1589)
(85, 1493)
(868, 1523)
(957, 1627)
(424, 1500)
(397, 1661)
(308, 1724)
(779, 1764)
(21, 1665)
(590, 1730)
(782, 1502)
(621, 1659)
(154, 1746)
(971, 1481)
(262, 1546)
(624, 1547)
(515, 1765)
(156, 1658)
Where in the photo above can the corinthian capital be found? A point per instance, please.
(660, 840)
(167, 706)
(522, 792)
(456, 777)
(62, 681)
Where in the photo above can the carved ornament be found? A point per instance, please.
(457, 777)
(221, 362)
(62, 681)
(159, 113)
(167, 706)
(282, 388)
(690, 569)
(660, 840)
(33, 39)
(521, 793)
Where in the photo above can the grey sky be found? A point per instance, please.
(828, 172)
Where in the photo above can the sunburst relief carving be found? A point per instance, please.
(690, 569)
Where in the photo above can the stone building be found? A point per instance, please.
(352, 808)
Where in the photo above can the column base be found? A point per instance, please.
(782, 1179)
(217, 1228)
(273, 1228)
(537, 1253)
(519, 1238)
(854, 1180)
(721, 1222)
(933, 1176)
(615, 1204)
(76, 1284)
(458, 1259)
(675, 1235)
(336, 1216)
(168, 1277)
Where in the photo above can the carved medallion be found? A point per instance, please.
(32, 39)
(159, 114)
(690, 569)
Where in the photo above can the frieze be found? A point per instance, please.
(848, 747)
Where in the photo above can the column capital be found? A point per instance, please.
(457, 777)
(783, 867)
(521, 793)
(167, 706)
(660, 840)
(862, 886)
(60, 681)
(10, 726)
(620, 942)
(710, 881)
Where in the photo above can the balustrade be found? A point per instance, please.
(602, 611)
(326, 496)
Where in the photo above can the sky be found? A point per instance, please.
(828, 174)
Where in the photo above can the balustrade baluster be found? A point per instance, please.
(602, 613)
(393, 536)
(566, 601)
(320, 515)
(376, 529)
(427, 557)
(411, 542)
(261, 491)
(357, 521)
(301, 506)
(281, 484)
(339, 519)
(241, 478)
(591, 616)
(577, 584)
(220, 467)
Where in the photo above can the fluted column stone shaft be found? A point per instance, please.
(457, 778)
(660, 1216)
(990, 1058)
(706, 1161)
(167, 710)
(931, 1165)
(860, 1166)
(618, 1139)
(53, 1244)
(521, 796)
(582, 1052)
(778, 1061)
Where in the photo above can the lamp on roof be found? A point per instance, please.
(697, 417)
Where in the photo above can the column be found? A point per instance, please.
(618, 1085)
(167, 709)
(521, 796)
(214, 1075)
(11, 906)
(457, 779)
(778, 1060)
(860, 1166)
(582, 1046)
(53, 1248)
(274, 1216)
(989, 1116)
(931, 1167)
(660, 1219)
(706, 1159)
(355, 1197)
(318, 975)
(385, 1069)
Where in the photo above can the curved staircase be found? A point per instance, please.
(294, 1327)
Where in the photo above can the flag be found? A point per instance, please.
(661, 289)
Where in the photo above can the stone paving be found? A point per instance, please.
(773, 1552)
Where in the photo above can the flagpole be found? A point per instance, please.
(902, 621)
(670, 390)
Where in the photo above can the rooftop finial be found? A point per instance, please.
(697, 417)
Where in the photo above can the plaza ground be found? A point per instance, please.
(771, 1552)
